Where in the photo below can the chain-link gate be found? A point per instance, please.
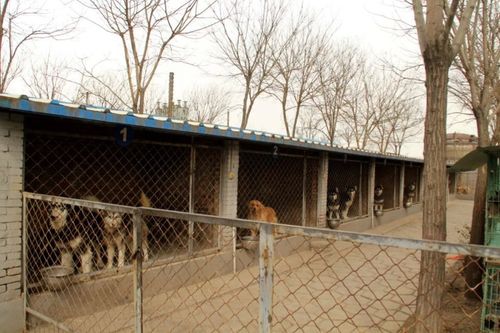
(307, 279)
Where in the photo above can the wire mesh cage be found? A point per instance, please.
(412, 178)
(70, 251)
(388, 177)
(76, 287)
(172, 174)
(283, 181)
(349, 181)
(490, 321)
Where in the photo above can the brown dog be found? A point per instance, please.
(257, 211)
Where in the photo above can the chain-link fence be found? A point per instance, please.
(292, 278)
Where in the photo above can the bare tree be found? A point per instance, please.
(47, 79)
(17, 32)
(439, 44)
(146, 30)
(358, 119)
(309, 124)
(208, 104)
(337, 72)
(247, 31)
(395, 115)
(478, 62)
(407, 123)
(295, 78)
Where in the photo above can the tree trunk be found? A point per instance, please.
(473, 265)
(432, 265)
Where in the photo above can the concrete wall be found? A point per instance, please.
(229, 191)
(322, 189)
(11, 186)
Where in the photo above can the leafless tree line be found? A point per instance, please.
(326, 89)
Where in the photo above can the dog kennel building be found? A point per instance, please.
(73, 151)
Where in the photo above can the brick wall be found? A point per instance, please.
(11, 185)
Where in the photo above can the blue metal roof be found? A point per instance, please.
(26, 105)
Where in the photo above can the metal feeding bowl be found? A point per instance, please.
(250, 243)
(56, 277)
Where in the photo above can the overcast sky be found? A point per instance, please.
(372, 24)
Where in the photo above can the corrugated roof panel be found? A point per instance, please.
(21, 103)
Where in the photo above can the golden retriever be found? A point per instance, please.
(257, 211)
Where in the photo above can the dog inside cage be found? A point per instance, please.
(409, 196)
(347, 196)
(378, 201)
(86, 163)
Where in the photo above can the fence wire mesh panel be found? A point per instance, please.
(296, 278)
(200, 293)
(75, 258)
(387, 176)
(282, 182)
(412, 176)
(349, 181)
(340, 286)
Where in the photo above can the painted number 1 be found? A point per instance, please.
(123, 132)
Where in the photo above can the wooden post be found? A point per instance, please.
(266, 252)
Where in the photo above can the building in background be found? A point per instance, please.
(462, 184)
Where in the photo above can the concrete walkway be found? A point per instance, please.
(334, 287)
(459, 213)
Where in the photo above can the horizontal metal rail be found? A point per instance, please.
(362, 238)
(81, 203)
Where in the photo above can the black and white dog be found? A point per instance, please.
(410, 195)
(333, 205)
(76, 235)
(118, 235)
(347, 200)
(378, 201)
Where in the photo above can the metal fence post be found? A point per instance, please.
(192, 169)
(266, 253)
(24, 271)
(137, 246)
